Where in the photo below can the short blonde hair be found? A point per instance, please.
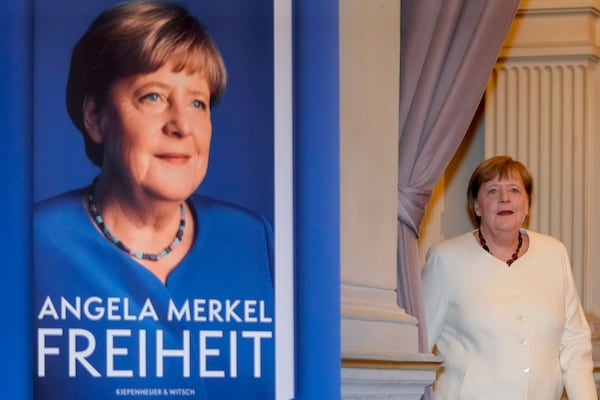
(133, 38)
(498, 166)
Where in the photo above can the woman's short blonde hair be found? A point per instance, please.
(498, 166)
(134, 38)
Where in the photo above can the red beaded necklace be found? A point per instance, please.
(515, 254)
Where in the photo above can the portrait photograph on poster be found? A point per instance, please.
(162, 189)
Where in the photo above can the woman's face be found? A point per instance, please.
(502, 204)
(156, 130)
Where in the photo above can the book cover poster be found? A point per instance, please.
(106, 325)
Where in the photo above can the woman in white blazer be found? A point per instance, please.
(500, 302)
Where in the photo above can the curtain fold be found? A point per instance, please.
(448, 50)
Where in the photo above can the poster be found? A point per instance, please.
(241, 170)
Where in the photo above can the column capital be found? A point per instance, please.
(554, 28)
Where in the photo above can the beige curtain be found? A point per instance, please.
(448, 50)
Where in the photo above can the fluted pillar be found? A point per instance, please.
(541, 107)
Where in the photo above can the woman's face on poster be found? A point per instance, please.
(155, 129)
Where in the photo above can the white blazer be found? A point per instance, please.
(507, 333)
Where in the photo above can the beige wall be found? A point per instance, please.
(369, 59)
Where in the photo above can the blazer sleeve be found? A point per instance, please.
(435, 295)
(576, 347)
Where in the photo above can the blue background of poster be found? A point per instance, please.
(316, 131)
(241, 160)
(15, 175)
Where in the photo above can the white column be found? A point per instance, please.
(379, 341)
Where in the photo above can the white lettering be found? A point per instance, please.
(183, 313)
(257, 336)
(250, 309)
(161, 353)
(206, 352)
(199, 310)
(81, 355)
(230, 313)
(48, 310)
(148, 311)
(126, 315)
(43, 351)
(65, 306)
(142, 355)
(214, 308)
(112, 306)
(263, 315)
(95, 308)
(112, 351)
(93, 313)
(121, 344)
(233, 354)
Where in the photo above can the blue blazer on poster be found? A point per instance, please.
(106, 328)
